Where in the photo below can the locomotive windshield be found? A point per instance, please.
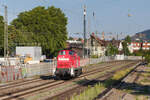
(62, 53)
(71, 53)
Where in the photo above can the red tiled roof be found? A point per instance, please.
(98, 39)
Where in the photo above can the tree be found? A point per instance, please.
(1, 36)
(70, 38)
(111, 50)
(17, 38)
(47, 27)
(128, 39)
(125, 44)
(125, 48)
(80, 39)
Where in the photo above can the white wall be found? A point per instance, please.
(34, 52)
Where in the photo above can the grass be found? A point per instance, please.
(148, 65)
(145, 76)
(141, 97)
(91, 92)
(145, 80)
(48, 93)
(51, 92)
(92, 64)
(94, 56)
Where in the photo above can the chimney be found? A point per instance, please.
(103, 35)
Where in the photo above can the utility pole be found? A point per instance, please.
(5, 33)
(117, 37)
(84, 24)
(88, 40)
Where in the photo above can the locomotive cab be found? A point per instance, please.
(68, 64)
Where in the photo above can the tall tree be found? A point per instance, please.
(70, 38)
(1, 36)
(128, 39)
(125, 48)
(125, 44)
(111, 50)
(47, 25)
(17, 38)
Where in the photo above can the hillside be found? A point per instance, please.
(144, 35)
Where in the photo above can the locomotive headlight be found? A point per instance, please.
(64, 59)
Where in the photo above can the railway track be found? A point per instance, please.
(25, 81)
(67, 94)
(47, 85)
(14, 94)
(61, 84)
(28, 81)
(109, 91)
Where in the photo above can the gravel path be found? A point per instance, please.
(133, 87)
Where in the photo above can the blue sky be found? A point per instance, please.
(110, 15)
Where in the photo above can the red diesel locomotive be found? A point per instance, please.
(68, 64)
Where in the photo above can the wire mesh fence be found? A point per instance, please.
(13, 69)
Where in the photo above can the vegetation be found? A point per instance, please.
(125, 44)
(70, 38)
(92, 92)
(128, 39)
(144, 54)
(111, 50)
(94, 56)
(80, 39)
(46, 27)
(144, 35)
(40, 26)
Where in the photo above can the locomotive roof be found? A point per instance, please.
(68, 50)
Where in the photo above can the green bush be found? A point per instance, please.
(92, 92)
(89, 93)
(94, 56)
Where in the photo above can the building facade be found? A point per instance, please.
(136, 46)
(97, 46)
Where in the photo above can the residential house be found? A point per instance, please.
(97, 45)
(136, 46)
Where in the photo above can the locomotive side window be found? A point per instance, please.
(62, 53)
(71, 53)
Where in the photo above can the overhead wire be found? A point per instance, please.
(96, 25)
(68, 11)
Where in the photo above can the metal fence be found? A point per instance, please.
(13, 70)
(10, 69)
(38, 69)
(88, 61)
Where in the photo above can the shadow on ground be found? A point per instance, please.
(134, 88)
(46, 77)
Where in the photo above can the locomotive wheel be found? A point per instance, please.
(57, 78)
(80, 71)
